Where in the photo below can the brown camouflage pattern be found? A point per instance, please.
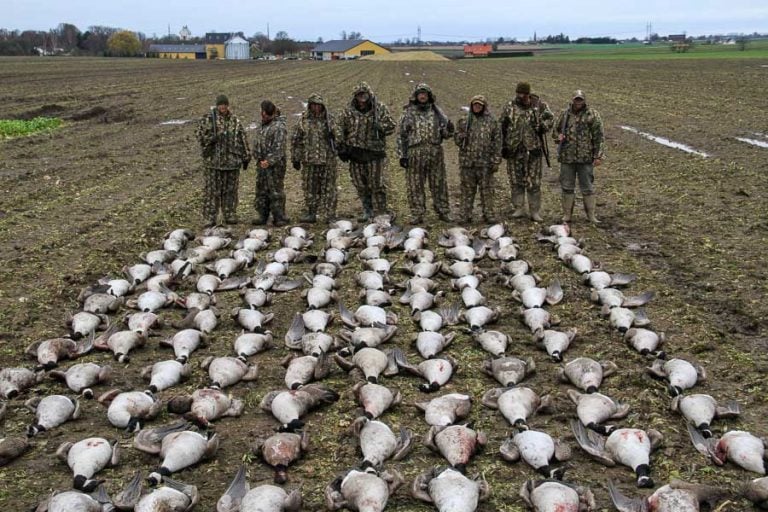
(269, 143)
(226, 146)
(220, 192)
(370, 181)
(472, 179)
(585, 139)
(426, 164)
(319, 182)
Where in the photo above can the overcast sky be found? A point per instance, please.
(392, 19)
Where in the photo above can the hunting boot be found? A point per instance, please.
(568, 199)
(589, 207)
(310, 217)
(262, 218)
(534, 203)
(445, 217)
(210, 222)
(367, 210)
(279, 218)
(518, 201)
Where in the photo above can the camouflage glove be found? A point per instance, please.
(506, 153)
(449, 126)
(404, 163)
(297, 165)
(245, 164)
(343, 152)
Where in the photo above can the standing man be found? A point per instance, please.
(225, 149)
(313, 152)
(523, 125)
(478, 137)
(423, 127)
(580, 141)
(269, 152)
(363, 126)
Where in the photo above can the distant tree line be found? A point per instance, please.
(67, 39)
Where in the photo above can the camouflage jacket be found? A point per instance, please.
(222, 141)
(269, 142)
(365, 129)
(312, 139)
(521, 125)
(584, 137)
(479, 140)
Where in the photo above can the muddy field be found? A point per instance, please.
(85, 200)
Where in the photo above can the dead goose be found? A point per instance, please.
(494, 232)
(250, 343)
(165, 374)
(81, 377)
(121, 343)
(288, 407)
(296, 242)
(581, 263)
(321, 281)
(50, 412)
(251, 320)
(462, 253)
(677, 496)
(378, 443)
(305, 369)
(179, 448)
(420, 255)
(445, 410)
(553, 496)
(755, 491)
(206, 405)
(480, 316)
(315, 320)
(130, 409)
(326, 269)
(504, 249)
(280, 450)
(214, 242)
(49, 352)
(538, 319)
(185, 342)
(700, 410)
(586, 373)
(225, 267)
(86, 458)
(243, 257)
(380, 265)
(259, 234)
(312, 343)
(368, 336)
(680, 374)
(11, 448)
(420, 300)
(371, 362)
(412, 245)
(600, 280)
(142, 322)
(367, 316)
(430, 343)
(493, 342)
(83, 323)
(521, 282)
(742, 448)
(516, 267)
(623, 318)
(102, 303)
(509, 371)
(263, 498)
(252, 244)
(150, 301)
(375, 399)
(364, 491)
(319, 297)
(173, 496)
(459, 269)
(204, 321)
(68, 501)
(137, 274)
(456, 443)
(370, 280)
(455, 236)
(449, 490)
(555, 342)
(15, 380)
(538, 450)
(424, 270)
(417, 284)
(646, 341)
(437, 372)
(566, 251)
(594, 408)
(516, 404)
(199, 301)
(471, 297)
(335, 256)
(627, 446)
(228, 371)
(613, 297)
(535, 297)
(376, 297)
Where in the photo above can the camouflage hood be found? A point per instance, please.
(422, 87)
(362, 87)
(481, 100)
(316, 99)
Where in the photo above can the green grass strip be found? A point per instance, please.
(18, 128)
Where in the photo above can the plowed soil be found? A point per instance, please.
(83, 201)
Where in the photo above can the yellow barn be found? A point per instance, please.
(177, 51)
(345, 49)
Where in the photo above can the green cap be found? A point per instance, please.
(221, 99)
(523, 88)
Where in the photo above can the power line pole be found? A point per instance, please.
(268, 31)
(418, 36)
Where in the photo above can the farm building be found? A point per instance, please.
(237, 48)
(177, 51)
(477, 50)
(216, 42)
(342, 49)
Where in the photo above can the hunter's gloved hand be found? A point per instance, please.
(296, 165)
(343, 152)
(542, 130)
(245, 164)
(506, 153)
(404, 163)
(449, 126)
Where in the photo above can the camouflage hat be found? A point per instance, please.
(362, 87)
(578, 93)
(222, 99)
(523, 88)
(478, 99)
(316, 99)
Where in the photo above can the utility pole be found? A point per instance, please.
(268, 32)
(418, 36)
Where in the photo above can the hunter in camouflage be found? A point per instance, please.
(269, 151)
(524, 124)
(579, 135)
(361, 141)
(225, 150)
(478, 137)
(313, 152)
(423, 127)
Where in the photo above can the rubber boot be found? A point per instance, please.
(367, 210)
(518, 201)
(210, 223)
(589, 207)
(309, 217)
(262, 218)
(534, 203)
(568, 199)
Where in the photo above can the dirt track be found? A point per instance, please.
(87, 199)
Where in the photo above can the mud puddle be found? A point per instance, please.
(665, 142)
(754, 142)
(173, 122)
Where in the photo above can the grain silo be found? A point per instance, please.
(237, 48)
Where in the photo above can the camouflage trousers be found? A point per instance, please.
(427, 164)
(472, 178)
(370, 181)
(220, 192)
(270, 191)
(319, 183)
(524, 171)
